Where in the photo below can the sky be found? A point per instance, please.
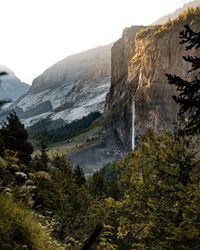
(35, 34)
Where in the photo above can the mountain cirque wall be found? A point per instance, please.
(93, 64)
(118, 111)
(70, 89)
(140, 60)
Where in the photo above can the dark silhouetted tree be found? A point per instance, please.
(61, 163)
(79, 175)
(3, 101)
(44, 158)
(189, 91)
(97, 185)
(15, 137)
(41, 159)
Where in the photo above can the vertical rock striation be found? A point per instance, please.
(118, 109)
(69, 90)
(140, 60)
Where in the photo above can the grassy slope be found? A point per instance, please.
(76, 143)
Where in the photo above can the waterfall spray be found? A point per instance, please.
(133, 125)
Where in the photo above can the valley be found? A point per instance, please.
(102, 151)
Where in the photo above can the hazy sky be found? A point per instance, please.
(37, 33)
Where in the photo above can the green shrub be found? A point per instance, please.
(19, 229)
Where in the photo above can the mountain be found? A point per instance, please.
(10, 86)
(139, 95)
(177, 12)
(70, 89)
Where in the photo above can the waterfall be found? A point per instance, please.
(133, 125)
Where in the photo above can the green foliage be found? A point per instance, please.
(188, 91)
(190, 16)
(14, 137)
(79, 175)
(40, 160)
(19, 228)
(66, 196)
(148, 200)
(155, 212)
(96, 184)
(70, 130)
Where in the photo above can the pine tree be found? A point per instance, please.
(2, 102)
(15, 138)
(189, 91)
(160, 209)
(44, 158)
(62, 164)
(2, 145)
(79, 175)
(97, 185)
(41, 159)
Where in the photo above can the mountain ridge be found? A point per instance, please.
(69, 66)
(177, 12)
(138, 80)
(70, 89)
(11, 87)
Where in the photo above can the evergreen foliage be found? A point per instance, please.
(20, 229)
(148, 200)
(40, 161)
(79, 175)
(189, 91)
(191, 15)
(70, 130)
(14, 137)
(159, 207)
(97, 185)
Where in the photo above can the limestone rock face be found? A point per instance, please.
(140, 60)
(70, 89)
(89, 65)
(118, 101)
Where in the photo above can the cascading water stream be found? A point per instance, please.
(133, 125)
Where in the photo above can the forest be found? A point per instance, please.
(150, 199)
(43, 130)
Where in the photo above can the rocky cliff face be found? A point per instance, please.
(70, 89)
(93, 64)
(140, 60)
(118, 108)
(10, 86)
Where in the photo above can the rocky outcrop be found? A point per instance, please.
(10, 86)
(140, 60)
(70, 89)
(118, 111)
(93, 64)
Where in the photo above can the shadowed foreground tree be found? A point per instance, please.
(2, 102)
(15, 138)
(95, 234)
(189, 91)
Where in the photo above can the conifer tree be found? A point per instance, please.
(15, 138)
(79, 175)
(2, 102)
(44, 158)
(96, 184)
(62, 164)
(189, 91)
(41, 159)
